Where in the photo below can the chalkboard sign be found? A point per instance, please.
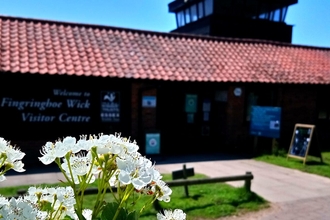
(301, 141)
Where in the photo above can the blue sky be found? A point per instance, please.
(311, 18)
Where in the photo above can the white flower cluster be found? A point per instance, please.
(111, 159)
(10, 158)
(117, 157)
(177, 214)
(41, 204)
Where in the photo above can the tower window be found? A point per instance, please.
(187, 16)
(277, 15)
(193, 12)
(180, 18)
(200, 10)
(208, 7)
(283, 13)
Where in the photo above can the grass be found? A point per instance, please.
(313, 164)
(214, 201)
(207, 201)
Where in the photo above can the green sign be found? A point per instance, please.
(191, 103)
(153, 143)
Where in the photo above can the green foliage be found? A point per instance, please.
(112, 209)
(212, 201)
(277, 150)
(205, 201)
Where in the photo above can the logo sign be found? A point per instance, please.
(152, 143)
(191, 103)
(265, 121)
(149, 101)
(110, 106)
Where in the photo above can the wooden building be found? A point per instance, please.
(65, 79)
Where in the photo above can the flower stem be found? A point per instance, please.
(127, 193)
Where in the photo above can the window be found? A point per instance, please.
(187, 16)
(276, 15)
(261, 96)
(252, 99)
(283, 13)
(323, 104)
(208, 7)
(180, 18)
(263, 16)
(200, 10)
(193, 13)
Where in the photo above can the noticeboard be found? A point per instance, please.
(301, 141)
(265, 121)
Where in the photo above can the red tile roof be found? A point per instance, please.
(51, 47)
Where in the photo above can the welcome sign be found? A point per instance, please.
(61, 106)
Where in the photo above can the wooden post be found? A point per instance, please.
(274, 147)
(247, 183)
(185, 177)
(255, 145)
(318, 144)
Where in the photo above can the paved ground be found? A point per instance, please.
(293, 194)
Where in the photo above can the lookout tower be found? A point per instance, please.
(254, 19)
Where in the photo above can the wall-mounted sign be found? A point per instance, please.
(265, 121)
(190, 118)
(152, 143)
(110, 106)
(149, 101)
(206, 116)
(206, 105)
(61, 105)
(191, 103)
(237, 91)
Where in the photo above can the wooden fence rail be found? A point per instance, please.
(247, 180)
(247, 177)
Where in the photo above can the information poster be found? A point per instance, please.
(265, 121)
(152, 143)
(191, 103)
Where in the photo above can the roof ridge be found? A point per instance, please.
(167, 34)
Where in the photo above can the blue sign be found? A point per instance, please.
(149, 101)
(265, 121)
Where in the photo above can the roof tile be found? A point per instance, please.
(50, 47)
